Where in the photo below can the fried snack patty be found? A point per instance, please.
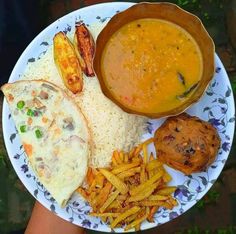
(186, 143)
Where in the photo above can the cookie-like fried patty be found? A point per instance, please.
(187, 143)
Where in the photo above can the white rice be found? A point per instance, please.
(111, 128)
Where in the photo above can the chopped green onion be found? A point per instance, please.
(38, 133)
(30, 112)
(23, 128)
(20, 104)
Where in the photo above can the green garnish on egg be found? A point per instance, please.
(38, 133)
(23, 128)
(20, 105)
(30, 112)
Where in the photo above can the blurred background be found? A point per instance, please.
(21, 21)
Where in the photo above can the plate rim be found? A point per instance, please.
(11, 79)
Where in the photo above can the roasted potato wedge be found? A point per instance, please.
(67, 63)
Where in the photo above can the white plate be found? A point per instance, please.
(216, 106)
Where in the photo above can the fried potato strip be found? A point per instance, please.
(120, 185)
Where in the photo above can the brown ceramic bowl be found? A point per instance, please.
(172, 13)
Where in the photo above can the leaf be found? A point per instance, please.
(226, 146)
(223, 110)
(181, 210)
(213, 84)
(9, 116)
(188, 182)
(12, 137)
(177, 191)
(222, 122)
(24, 168)
(31, 60)
(86, 223)
(36, 192)
(75, 203)
(231, 120)
(44, 43)
(85, 212)
(221, 100)
(52, 208)
(181, 78)
(204, 180)
(190, 197)
(16, 156)
(67, 209)
(227, 137)
(209, 93)
(46, 193)
(217, 69)
(228, 92)
(95, 226)
(210, 113)
(187, 92)
(173, 215)
(206, 109)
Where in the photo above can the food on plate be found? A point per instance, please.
(130, 191)
(67, 63)
(54, 135)
(84, 47)
(151, 65)
(186, 143)
(111, 128)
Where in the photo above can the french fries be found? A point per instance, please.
(153, 210)
(167, 190)
(105, 214)
(136, 222)
(124, 167)
(110, 199)
(148, 183)
(67, 63)
(126, 214)
(131, 190)
(120, 185)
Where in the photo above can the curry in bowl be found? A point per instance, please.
(154, 63)
(151, 65)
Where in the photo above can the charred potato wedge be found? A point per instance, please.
(84, 47)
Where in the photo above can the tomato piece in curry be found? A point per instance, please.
(151, 65)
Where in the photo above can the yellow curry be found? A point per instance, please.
(151, 65)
